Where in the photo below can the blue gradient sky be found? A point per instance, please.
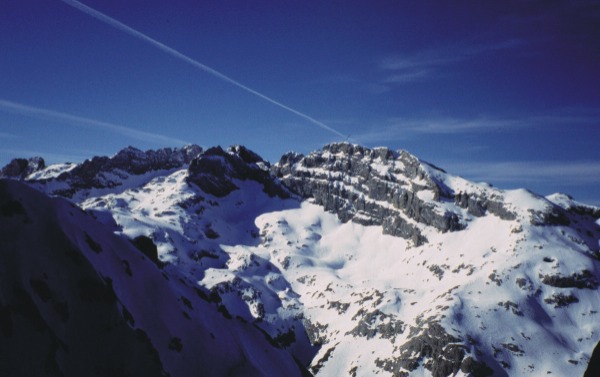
(507, 93)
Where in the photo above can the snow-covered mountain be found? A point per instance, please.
(78, 300)
(347, 261)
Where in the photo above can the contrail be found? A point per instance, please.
(171, 51)
(77, 121)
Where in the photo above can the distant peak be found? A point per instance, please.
(344, 147)
(245, 154)
(136, 161)
(20, 168)
(92, 173)
(215, 170)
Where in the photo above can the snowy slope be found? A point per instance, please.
(78, 300)
(362, 261)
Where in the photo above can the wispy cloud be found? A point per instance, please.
(407, 76)
(579, 116)
(350, 83)
(567, 173)
(6, 135)
(405, 128)
(424, 64)
(78, 121)
(455, 126)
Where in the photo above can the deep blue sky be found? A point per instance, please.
(507, 92)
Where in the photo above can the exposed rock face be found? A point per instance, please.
(585, 210)
(479, 205)
(136, 162)
(560, 300)
(442, 354)
(371, 187)
(215, 170)
(376, 323)
(108, 172)
(133, 161)
(583, 279)
(593, 368)
(20, 168)
(553, 215)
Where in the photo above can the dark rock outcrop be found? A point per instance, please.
(440, 353)
(593, 368)
(148, 247)
(553, 215)
(583, 279)
(20, 168)
(478, 205)
(377, 323)
(215, 170)
(585, 211)
(560, 300)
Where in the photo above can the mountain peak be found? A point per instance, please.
(373, 187)
(102, 172)
(135, 161)
(215, 171)
(20, 168)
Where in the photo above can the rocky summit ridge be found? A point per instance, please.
(398, 191)
(348, 261)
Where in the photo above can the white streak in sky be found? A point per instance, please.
(121, 26)
(74, 120)
(569, 173)
(6, 135)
